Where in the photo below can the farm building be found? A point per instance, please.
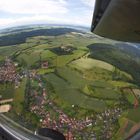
(45, 65)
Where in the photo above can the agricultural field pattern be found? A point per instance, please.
(70, 80)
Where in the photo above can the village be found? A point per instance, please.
(69, 126)
(52, 116)
(8, 74)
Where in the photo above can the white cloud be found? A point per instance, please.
(44, 11)
(40, 19)
(44, 19)
(34, 6)
(89, 3)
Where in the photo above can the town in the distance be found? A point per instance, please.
(69, 80)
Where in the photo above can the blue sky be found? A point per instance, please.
(22, 12)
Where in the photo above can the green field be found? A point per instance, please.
(72, 77)
(19, 97)
(45, 54)
(92, 76)
(104, 93)
(78, 41)
(134, 115)
(100, 89)
(7, 90)
(65, 59)
(88, 63)
(44, 71)
(130, 97)
(73, 95)
(28, 59)
(121, 84)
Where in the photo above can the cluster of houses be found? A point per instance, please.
(69, 125)
(108, 117)
(67, 48)
(8, 72)
(45, 65)
(63, 123)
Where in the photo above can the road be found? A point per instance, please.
(15, 132)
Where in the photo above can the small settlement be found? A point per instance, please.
(8, 74)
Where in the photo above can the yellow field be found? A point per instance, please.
(88, 63)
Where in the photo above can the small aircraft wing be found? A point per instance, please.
(117, 19)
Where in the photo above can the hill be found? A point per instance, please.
(123, 56)
(20, 37)
(68, 80)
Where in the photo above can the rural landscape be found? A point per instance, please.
(70, 80)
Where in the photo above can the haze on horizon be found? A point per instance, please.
(24, 12)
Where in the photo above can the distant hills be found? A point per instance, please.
(123, 56)
(21, 35)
